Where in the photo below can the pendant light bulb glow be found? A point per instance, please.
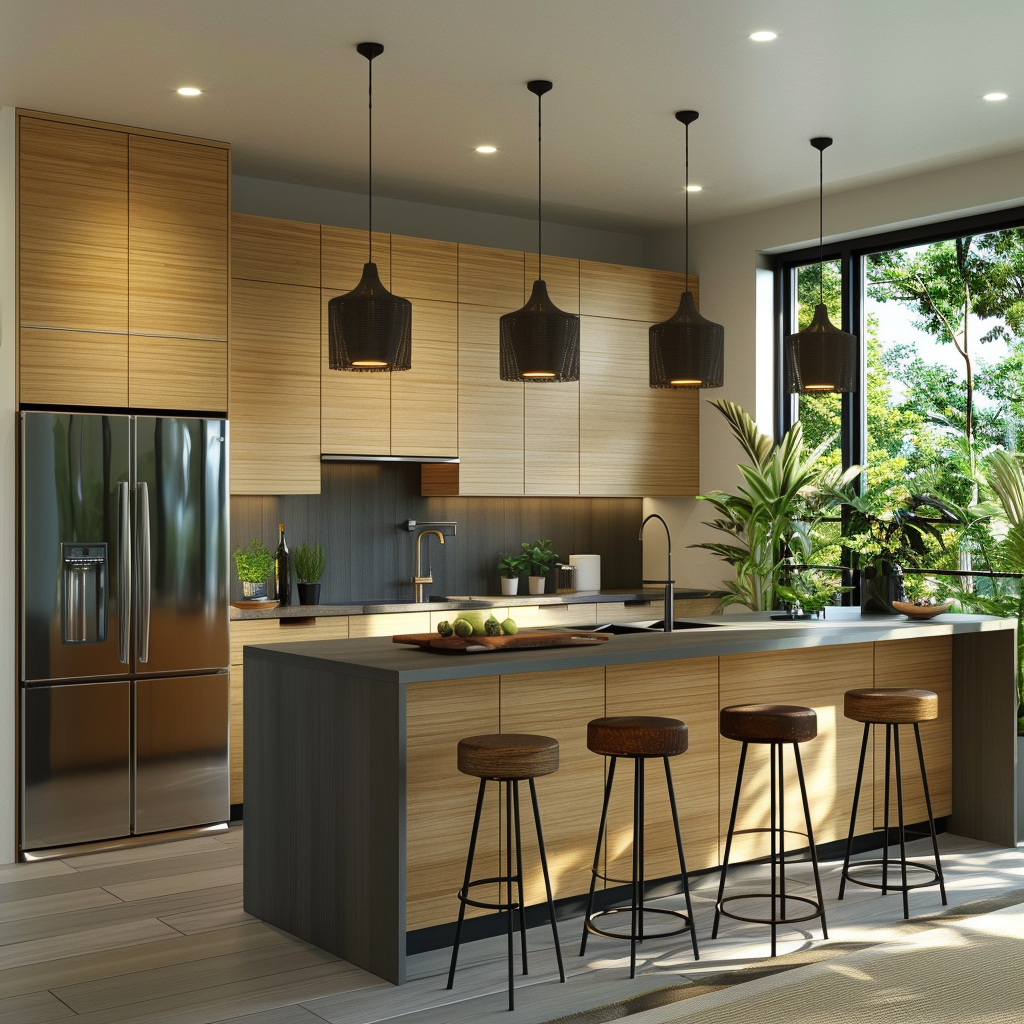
(369, 329)
(821, 357)
(539, 343)
(687, 350)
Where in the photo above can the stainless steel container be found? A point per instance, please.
(566, 579)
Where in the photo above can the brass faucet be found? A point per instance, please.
(419, 580)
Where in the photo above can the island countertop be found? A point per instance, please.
(379, 658)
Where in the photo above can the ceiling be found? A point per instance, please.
(898, 83)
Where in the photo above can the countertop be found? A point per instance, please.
(380, 658)
(639, 595)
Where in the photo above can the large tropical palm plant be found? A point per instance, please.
(771, 516)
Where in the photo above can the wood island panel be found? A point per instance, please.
(73, 368)
(177, 239)
(687, 690)
(558, 704)
(73, 228)
(440, 801)
(809, 677)
(273, 250)
(925, 663)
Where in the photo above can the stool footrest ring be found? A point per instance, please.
(816, 910)
(500, 879)
(894, 868)
(594, 930)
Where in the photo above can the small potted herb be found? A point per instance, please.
(254, 564)
(309, 567)
(541, 560)
(510, 568)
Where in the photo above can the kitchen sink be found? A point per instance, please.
(621, 628)
(683, 624)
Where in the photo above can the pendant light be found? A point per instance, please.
(540, 343)
(821, 357)
(687, 350)
(370, 330)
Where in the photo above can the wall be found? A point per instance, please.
(424, 220)
(8, 504)
(736, 291)
(358, 516)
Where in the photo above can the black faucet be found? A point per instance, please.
(670, 584)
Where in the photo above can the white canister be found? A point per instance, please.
(588, 571)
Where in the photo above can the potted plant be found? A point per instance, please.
(540, 560)
(254, 564)
(510, 568)
(309, 567)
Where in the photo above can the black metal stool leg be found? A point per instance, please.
(597, 853)
(772, 834)
(728, 840)
(810, 838)
(853, 815)
(682, 860)
(931, 819)
(643, 821)
(888, 771)
(508, 890)
(519, 871)
(465, 884)
(903, 838)
(633, 932)
(547, 880)
(782, 835)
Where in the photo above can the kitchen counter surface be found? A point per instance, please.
(639, 595)
(379, 658)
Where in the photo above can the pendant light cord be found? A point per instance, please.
(686, 208)
(821, 226)
(369, 169)
(540, 98)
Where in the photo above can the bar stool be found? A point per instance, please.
(508, 758)
(777, 725)
(893, 707)
(637, 738)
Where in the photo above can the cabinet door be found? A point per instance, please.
(552, 411)
(422, 268)
(178, 239)
(634, 439)
(491, 277)
(182, 374)
(275, 389)
(631, 293)
(73, 228)
(91, 366)
(424, 400)
(279, 251)
(490, 409)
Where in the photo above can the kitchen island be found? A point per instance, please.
(357, 821)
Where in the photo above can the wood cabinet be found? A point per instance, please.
(123, 245)
(275, 251)
(631, 293)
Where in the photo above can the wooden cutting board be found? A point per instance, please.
(525, 638)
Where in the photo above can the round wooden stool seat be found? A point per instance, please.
(508, 755)
(895, 705)
(637, 736)
(768, 723)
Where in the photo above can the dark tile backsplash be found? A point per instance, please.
(359, 513)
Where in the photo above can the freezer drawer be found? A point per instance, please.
(76, 761)
(181, 752)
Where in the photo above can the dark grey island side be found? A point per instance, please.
(325, 764)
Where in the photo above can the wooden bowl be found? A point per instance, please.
(921, 611)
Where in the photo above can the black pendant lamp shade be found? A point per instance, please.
(821, 357)
(540, 343)
(369, 329)
(687, 350)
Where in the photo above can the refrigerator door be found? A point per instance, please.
(181, 752)
(75, 551)
(76, 759)
(180, 514)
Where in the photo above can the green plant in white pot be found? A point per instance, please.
(309, 567)
(541, 560)
(254, 564)
(510, 568)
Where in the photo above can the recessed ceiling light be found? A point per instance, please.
(694, 188)
(487, 149)
(763, 37)
(994, 97)
(190, 90)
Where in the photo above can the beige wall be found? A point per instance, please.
(736, 291)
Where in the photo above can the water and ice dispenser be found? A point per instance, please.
(84, 578)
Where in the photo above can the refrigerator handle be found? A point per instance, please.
(145, 581)
(124, 574)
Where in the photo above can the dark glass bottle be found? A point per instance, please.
(282, 577)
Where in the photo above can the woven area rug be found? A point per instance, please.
(965, 964)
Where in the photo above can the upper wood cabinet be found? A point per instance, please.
(491, 277)
(424, 269)
(343, 254)
(279, 251)
(631, 293)
(123, 267)
(73, 227)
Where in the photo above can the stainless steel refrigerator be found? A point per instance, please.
(124, 626)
